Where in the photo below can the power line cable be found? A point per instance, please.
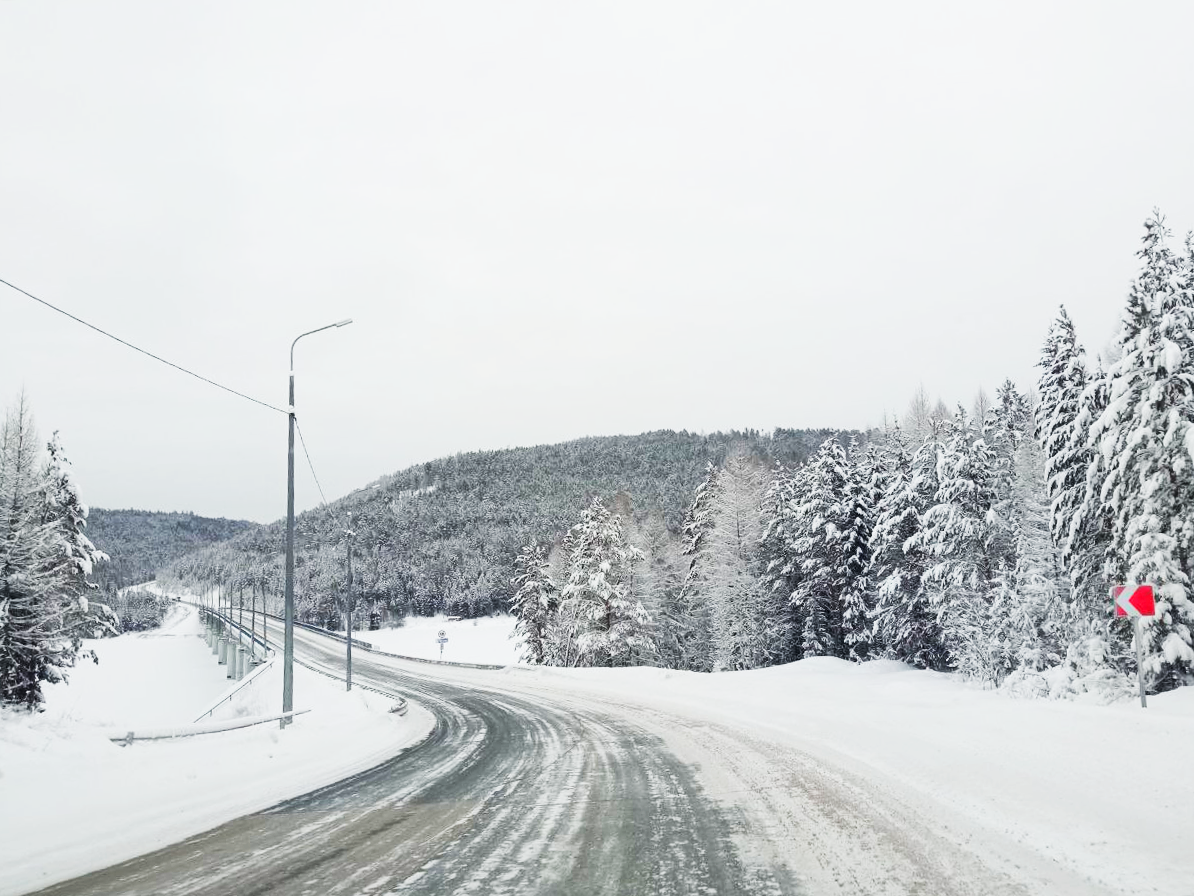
(339, 519)
(303, 442)
(141, 350)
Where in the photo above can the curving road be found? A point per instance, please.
(510, 794)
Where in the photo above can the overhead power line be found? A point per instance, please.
(135, 348)
(303, 442)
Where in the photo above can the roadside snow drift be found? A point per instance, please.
(74, 801)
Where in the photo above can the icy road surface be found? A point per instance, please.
(510, 794)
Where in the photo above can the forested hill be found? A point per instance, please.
(140, 542)
(445, 534)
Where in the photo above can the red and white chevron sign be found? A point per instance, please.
(1134, 600)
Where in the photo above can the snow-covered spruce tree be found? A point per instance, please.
(1062, 381)
(536, 603)
(1144, 445)
(1084, 526)
(606, 620)
(44, 561)
(730, 573)
(690, 621)
(905, 621)
(1038, 620)
(659, 583)
(18, 482)
(957, 533)
(779, 572)
(865, 475)
(1028, 589)
(819, 521)
(1072, 399)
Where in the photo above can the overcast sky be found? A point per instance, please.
(552, 220)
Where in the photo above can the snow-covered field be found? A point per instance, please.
(72, 801)
(486, 640)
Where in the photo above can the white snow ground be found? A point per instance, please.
(486, 640)
(72, 801)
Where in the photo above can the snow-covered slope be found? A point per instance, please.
(73, 801)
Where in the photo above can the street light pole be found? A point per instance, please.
(288, 638)
(350, 604)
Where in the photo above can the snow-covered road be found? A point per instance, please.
(510, 794)
(820, 778)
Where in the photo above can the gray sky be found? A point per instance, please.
(552, 220)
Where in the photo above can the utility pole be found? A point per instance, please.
(288, 637)
(252, 617)
(349, 604)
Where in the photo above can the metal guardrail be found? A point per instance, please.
(328, 633)
(419, 659)
(194, 730)
(253, 638)
(367, 646)
(400, 704)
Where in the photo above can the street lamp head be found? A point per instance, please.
(343, 323)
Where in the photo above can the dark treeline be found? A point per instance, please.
(444, 535)
(140, 542)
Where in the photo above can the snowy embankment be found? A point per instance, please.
(486, 640)
(74, 801)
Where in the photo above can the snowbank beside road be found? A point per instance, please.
(488, 640)
(74, 801)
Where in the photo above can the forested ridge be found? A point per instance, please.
(444, 535)
(140, 542)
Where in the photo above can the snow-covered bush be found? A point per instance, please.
(1089, 673)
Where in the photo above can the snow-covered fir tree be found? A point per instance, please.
(690, 620)
(1062, 381)
(957, 533)
(728, 567)
(1141, 475)
(1084, 526)
(536, 602)
(905, 621)
(780, 573)
(659, 580)
(604, 619)
(818, 550)
(45, 559)
(865, 475)
(1039, 618)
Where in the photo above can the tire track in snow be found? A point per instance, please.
(510, 794)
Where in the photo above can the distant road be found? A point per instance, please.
(510, 794)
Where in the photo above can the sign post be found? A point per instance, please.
(442, 639)
(1136, 601)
